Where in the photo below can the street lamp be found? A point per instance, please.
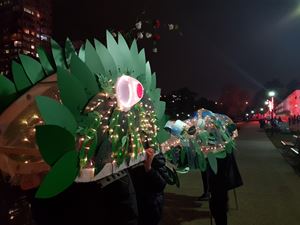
(271, 103)
(261, 109)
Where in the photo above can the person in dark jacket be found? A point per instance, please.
(228, 177)
(149, 181)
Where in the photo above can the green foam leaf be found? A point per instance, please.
(58, 54)
(21, 80)
(85, 76)
(55, 113)
(153, 82)
(124, 140)
(162, 136)
(155, 95)
(61, 176)
(92, 59)
(221, 155)
(201, 161)
(32, 68)
(212, 162)
(81, 53)
(69, 51)
(115, 52)
(107, 60)
(125, 52)
(148, 77)
(72, 93)
(93, 147)
(54, 142)
(45, 61)
(160, 109)
(7, 92)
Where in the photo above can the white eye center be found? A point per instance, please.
(129, 91)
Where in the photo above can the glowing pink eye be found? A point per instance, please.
(139, 90)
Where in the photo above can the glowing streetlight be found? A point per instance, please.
(261, 109)
(271, 93)
(252, 111)
(271, 103)
(247, 114)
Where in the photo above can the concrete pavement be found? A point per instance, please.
(270, 195)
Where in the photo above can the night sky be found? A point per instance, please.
(224, 42)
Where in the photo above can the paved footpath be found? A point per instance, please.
(270, 195)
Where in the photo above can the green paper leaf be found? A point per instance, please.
(221, 155)
(148, 77)
(196, 146)
(153, 82)
(72, 92)
(155, 95)
(61, 176)
(69, 51)
(125, 52)
(45, 61)
(21, 80)
(225, 137)
(114, 50)
(229, 147)
(93, 147)
(92, 59)
(7, 92)
(203, 136)
(201, 161)
(160, 109)
(212, 162)
(85, 76)
(54, 142)
(107, 60)
(137, 68)
(182, 155)
(81, 53)
(124, 140)
(134, 49)
(55, 113)
(58, 54)
(162, 136)
(32, 68)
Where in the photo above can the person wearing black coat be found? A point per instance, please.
(149, 181)
(227, 178)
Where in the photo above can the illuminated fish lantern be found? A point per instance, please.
(201, 139)
(84, 118)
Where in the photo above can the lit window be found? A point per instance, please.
(38, 35)
(26, 31)
(7, 51)
(33, 33)
(37, 55)
(32, 47)
(38, 15)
